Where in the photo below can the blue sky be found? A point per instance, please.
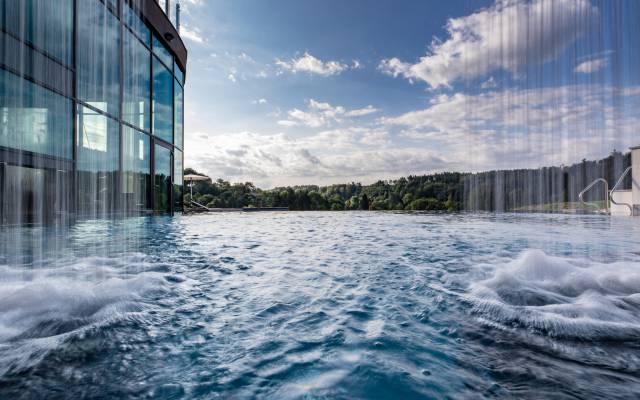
(316, 92)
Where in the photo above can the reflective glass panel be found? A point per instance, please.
(162, 180)
(178, 73)
(137, 24)
(162, 102)
(113, 4)
(178, 115)
(177, 180)
(33, 118)
(137, 83)
(163, 54)
(46, 24)
(98, 71)
(97, 163)
(34, 195)
(136, 167)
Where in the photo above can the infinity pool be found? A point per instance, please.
(323, 305)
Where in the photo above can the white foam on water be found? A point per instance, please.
(42, 307)
(561, 297)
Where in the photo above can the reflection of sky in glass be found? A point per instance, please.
(138, 26)
(177, 167)
(162, 102)
(46, 24)
(179, 104)
(33, 118)
(135, 151)
(98, 72)
(163, 54)
(137, 82)
(98, 147)
(163, 161)
(178, 73)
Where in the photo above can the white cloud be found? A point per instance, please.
(259, 101)
(506, 36)
(362, 111)
(191, 34)
(489, 84)
(319, 114)
(375, 138)
(276, 113)
(591, 66)
(326, 157)
(242, 65)
(232, 78)
(525, 127)
(310, 64)
(287, 123)
(246, 58)
(514, 128)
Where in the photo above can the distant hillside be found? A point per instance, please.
(542, 189)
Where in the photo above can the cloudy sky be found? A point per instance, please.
(285, 92)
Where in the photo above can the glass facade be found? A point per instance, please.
(162, 53)
(32, 195)
(162, 101)
(98, 77)
(45, 24)
(178, 72)
(98, 162)
(178, 115)
(33, 118)
(162, 178)
(103, 145)
(178, 180)
(137, 83)
(136, 168)
(137, 25)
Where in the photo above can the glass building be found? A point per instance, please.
(91, 109)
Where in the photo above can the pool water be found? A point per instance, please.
(345, 305)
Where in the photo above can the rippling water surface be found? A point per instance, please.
(323, 305)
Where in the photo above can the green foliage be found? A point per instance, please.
(434, 192)
(423, 204)
(504, 190)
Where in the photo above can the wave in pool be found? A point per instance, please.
(42, 308)
(562, 298)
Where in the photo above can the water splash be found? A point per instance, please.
(560, 297)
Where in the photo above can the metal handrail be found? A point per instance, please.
(592, 184)
(615, 187)
(200, 205)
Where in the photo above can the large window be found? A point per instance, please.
(178, 115)
(136, 167)
(98, 63)
(113, 4)
(138, 26)
(178, 181)
(178, 73)
(33, 195)
(162, 101)
(97, 163)
(33, 118)
(46, 24)
(137, 83)
(163, 54)
(162, 164)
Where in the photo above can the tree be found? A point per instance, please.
(364, 202)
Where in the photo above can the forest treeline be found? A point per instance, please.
(501, 190)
